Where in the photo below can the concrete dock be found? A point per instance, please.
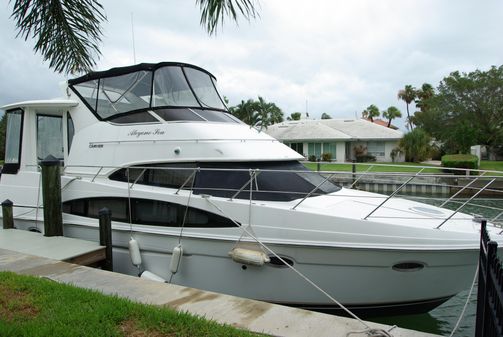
(248, 314)
(55, 247)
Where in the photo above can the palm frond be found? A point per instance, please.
(213, 12)
(66, 32)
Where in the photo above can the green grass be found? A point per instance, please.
(32, 306)
(362, 167)
(491, 165)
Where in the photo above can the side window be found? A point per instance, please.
(147, 212)
(49, 137)
(70, 130)
(14, 131)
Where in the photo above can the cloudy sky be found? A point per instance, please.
(339, 56)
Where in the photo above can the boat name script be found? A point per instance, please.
(139, 133)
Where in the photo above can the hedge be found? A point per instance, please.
(464, 161)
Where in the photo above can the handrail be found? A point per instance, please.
(312, 191)
(392, 194)
(464, 204)
(361, 176)
(461, 190)
(253, 175)
(188, 179)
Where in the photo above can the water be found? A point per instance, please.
(443, 319)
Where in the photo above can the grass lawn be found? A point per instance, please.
(491, 165)
(362, 167)
(31, 306)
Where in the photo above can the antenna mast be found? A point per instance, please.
(132, 36)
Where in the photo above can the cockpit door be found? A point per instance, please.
(50, 137)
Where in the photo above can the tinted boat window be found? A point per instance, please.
(147, 212)
(276, 181)
(182, 114)
(134, 117)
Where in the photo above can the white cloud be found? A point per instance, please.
(340, 56)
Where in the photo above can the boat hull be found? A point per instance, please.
(364, 280)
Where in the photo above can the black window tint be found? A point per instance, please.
(182, 114)
(118, 207)
(153, 212)
(137, 117)
(215, 116)
(147, 212)
(70, 130)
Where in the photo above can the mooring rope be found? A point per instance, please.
(467, 301)
(371, 332)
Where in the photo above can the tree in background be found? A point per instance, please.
(466, 110)
(68, 33)
(415, 145)
(408, 95)
(325, 116)
(423, 95)
(258, 113)
(391, 113)
(371, 112)
(294, 116)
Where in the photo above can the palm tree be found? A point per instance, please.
(67, 33)
(391, 113)
(268, 113)
(370, 112)
(423, 95)
(259, 113)
(408, 94)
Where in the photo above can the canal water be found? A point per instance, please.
(443, 319)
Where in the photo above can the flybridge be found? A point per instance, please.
(152, 93)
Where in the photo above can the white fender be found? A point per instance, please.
(249, 256)
(176, 259)
(134, 252)
(151, 276)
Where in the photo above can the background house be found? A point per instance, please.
(339, 137)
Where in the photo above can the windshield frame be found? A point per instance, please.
(148, 67)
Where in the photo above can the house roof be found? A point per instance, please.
(332, 129)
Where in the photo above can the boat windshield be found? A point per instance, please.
(274, 181)
(135, 94)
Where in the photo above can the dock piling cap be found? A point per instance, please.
(50, 160)
(7, 202)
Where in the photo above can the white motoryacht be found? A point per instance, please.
(196, 190)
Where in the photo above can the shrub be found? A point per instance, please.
(465, 161)
(365, 158)
(312, 158)
(326, 157)
(416, 145)
(395, 153)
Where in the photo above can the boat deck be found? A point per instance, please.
(56, 247)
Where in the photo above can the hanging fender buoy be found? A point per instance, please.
(176, 259)
(151, 276)
(249, 256)
(134, 252)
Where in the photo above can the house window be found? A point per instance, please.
(14, 132)
(314, 149)
(330, 148)
(376, 149)
(298, 147)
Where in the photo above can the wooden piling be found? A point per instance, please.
(105, 217)
(51, 194)
(7, 217)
